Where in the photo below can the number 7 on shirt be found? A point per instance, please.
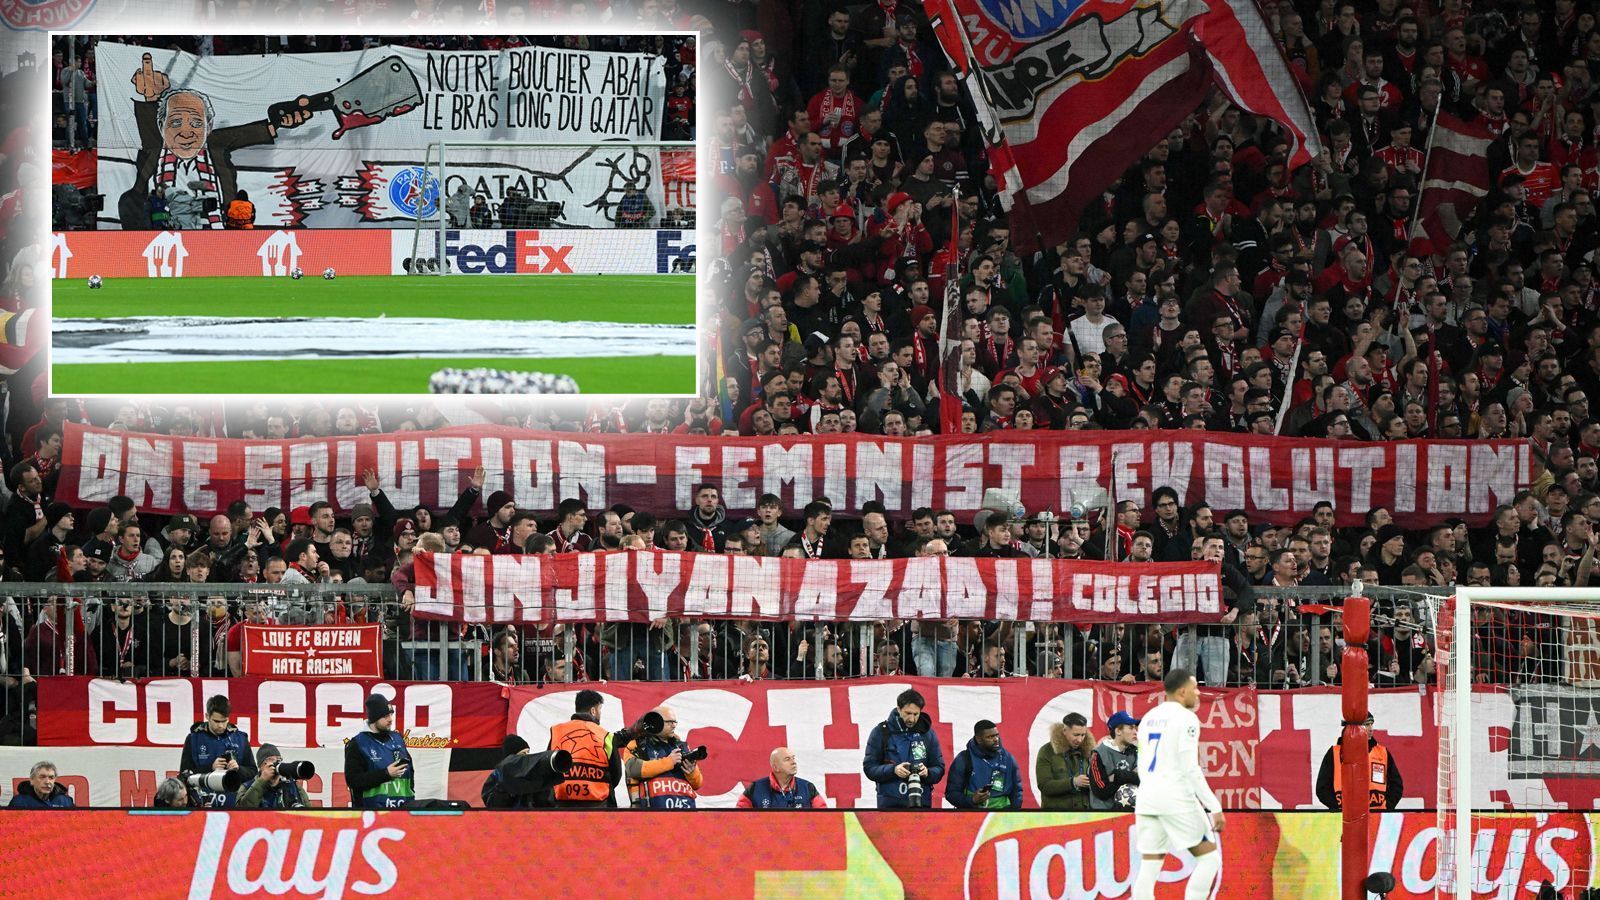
(1155, 749)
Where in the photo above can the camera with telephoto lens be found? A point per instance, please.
(914, 784)
(696, 754)
(222, 781)
(649, 725)
(299, 770)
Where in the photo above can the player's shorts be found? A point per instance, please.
(1162, 834)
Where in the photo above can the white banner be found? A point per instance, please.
(129, 776)
(550, 252)
(353, 151)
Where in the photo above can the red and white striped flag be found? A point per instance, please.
(1071, 92)
(1455, 180)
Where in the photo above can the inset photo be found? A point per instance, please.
(259, 215)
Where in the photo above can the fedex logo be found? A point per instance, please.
(671, 248)
(518, 251)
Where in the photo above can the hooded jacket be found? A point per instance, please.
(715, 529)
(891, 744)
(28, 798)
(1056, 767)
(201, 751)
(974, 768)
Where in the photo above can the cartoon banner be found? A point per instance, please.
(158, 712)
(1272, 479)
(645, 586)
(129, 776)
(313, 651)
(339, 139)
(1267, 856)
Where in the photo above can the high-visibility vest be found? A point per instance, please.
(241, 214)
(1377, 776)
(590, 745)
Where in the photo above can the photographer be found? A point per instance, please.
(985, 776)
(596, 760)
(783, 789)
(271, 789)
(662, 771)
(377, 765)
(172, 794)
(217, 745)
(493, 792)
(903, 755)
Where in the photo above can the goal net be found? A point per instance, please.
(1518, 718)
(550, 209)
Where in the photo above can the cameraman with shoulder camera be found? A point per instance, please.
(377, 765)
(274, 787)
(216, 756)
(662, 771)
(903, 755)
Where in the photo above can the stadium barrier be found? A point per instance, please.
(1282, 856)
(357, 251)
(404, 641)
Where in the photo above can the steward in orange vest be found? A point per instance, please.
(241, 212)
(1384, 785)
(596, 762)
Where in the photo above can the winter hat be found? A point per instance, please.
(513, 744)
(404, 527)
(97, 550)
(1389, 532)
(919, 312)
(300, 515)
(894, 200)
(99, 518)
(55, 512)
(495, 501)
(360, 510)
(378, 707)
(266, 752)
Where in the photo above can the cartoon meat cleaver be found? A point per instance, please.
(387, 89)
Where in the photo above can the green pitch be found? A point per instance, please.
(498, 302)
(636, 375)
(655, 299)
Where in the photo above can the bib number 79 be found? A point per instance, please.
(1155, 750)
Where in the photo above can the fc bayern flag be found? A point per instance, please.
(1072, 92)
(1455, 181)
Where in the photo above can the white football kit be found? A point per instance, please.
(1174, 806)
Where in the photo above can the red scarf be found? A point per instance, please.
(847, 106)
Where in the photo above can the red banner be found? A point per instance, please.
(645, 585)
(1266, 856)
(313, 651)
(80, 711)
(76, 169)
(826, 724)
(179, 254)
(1273, 479)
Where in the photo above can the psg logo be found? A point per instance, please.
(1030, 19)
(412, 188)
(43, 15)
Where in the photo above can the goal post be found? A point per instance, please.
(504, 207)
(1518, 718)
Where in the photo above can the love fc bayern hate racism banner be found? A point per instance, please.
(1272, 479)
(339, 140)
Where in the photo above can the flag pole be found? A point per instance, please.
(1294, 372)
(949, 378)
(1427, 153)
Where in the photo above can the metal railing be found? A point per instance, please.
(133, 630)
